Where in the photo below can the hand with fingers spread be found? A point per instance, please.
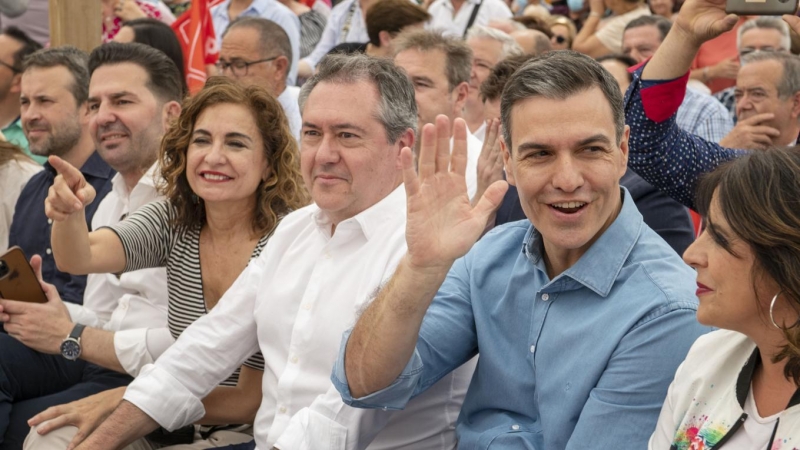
(40, 326)
(490, 162)
(752, 133)
(86, 414)
(442, 225)
(70, 193)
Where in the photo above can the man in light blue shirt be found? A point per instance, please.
(346, 24)
(266, 9)
(581, 314)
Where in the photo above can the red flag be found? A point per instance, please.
(195, 32)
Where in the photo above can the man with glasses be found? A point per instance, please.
(699, 113)
(765, 34)
(15, 45)
(257, 51)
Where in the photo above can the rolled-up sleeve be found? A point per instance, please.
(208, 351)
(667, 157)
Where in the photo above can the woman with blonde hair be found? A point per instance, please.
(230, 170)
(738, 386)
(564, 32)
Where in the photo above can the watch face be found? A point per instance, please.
(70, 349)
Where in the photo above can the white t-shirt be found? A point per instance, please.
(756, 430)
(13, 177)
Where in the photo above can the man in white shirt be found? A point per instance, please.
(257, 51)
(127, 133)
(489, 47)
(318, 271)
(456, 17)
(439, 68)
(225, 12)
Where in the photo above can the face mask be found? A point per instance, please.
(575, 5)
(522, 4)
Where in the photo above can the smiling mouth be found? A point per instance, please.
(109, 137)
(215, 177)
(568, 207)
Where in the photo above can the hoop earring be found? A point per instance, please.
(771, 306)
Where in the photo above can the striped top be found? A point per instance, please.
(312, 24)
(149, 240)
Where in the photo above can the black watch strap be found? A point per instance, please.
(77, 331)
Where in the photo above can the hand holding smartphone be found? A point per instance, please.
(18, 281)
(761, 7)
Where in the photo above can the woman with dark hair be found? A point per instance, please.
(230, 170)
(16, 168)
(155, 34)
(739, 386)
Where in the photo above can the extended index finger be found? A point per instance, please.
(71, 175)
(757, 119)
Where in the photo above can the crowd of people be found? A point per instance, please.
(384, 224)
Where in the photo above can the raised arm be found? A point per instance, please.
(75, 249)
(442, 226)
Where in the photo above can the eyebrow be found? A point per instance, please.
(114, 96)
(233, 134)
(583, 142)
(422, 78)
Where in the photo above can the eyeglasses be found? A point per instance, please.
(10, 67)
(748, 50)
(239, 67)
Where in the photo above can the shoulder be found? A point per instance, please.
(716, 354)
(706, 102)
(341, 9)
(502, 239)
(496, 6)
(437, 5)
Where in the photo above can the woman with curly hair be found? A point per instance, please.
(738, 386)
(230, 170)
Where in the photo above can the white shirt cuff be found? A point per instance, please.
(162, 397)
(141, 346)
(82, 315)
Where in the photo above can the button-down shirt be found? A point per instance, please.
(704, 116)
(31, 228)
(293, 303)
(346, 24)
(451, 23)
(289, 100)
(658, 150)
(15, 135)
(266, 9)
(582, 360)
(133, 299)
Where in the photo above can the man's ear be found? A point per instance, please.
(16, 83)
(623, 146)
(169, 114)
(282, 65)
(507, 162)
(460, 92)
(407, 139)
(385, 39)
(796, 105)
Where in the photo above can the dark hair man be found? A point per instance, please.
(15, 46)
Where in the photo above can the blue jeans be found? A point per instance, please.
(248, 446)
(31, 382)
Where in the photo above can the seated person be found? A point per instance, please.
(578, 314)
(385, 20)
(38, 374)
(15, 46)
(741, 384)
(230, 171)
(16, 168)
(156, 34)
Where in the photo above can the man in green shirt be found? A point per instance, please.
(15, 45)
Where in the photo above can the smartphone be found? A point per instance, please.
(17, 279)
(761, 7)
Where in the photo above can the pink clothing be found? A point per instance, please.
(111, 28)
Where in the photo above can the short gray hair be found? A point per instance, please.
(510, 46)
(560, 75)
(458, 64)
(74, 60)
(397, 108)
(768, 23)
(271, 36)
(789, 83)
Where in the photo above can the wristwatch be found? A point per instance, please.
(71, 345)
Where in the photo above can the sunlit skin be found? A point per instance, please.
(485, 55)
(51, 119)
(244, 43)
(126, 118)
(226, 161)
(563, 31)
(565, 158)
(125, 35)
(346, 160)
(761, 39)
(620, 73)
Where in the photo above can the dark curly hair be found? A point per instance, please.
(759, 196)
(280, 194)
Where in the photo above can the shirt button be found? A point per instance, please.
(48, 251)
(306, 306)
(515, 427)
(49, 221)
(533, 347)
(282, 410)
(545, 297)
(294, 359)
